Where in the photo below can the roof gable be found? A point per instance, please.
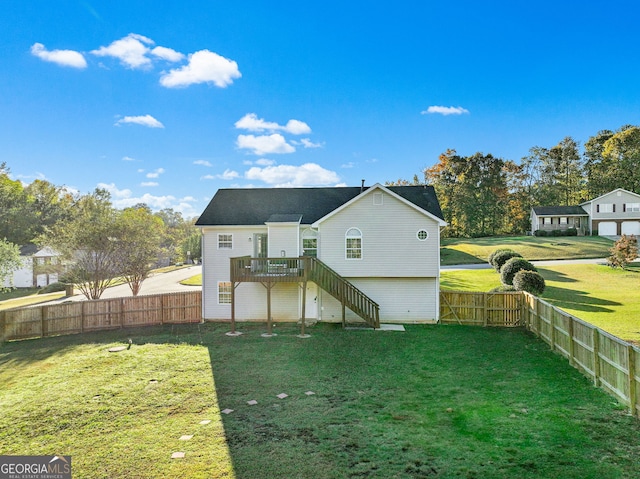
(420, 197)
(611, 192)
(250, 207)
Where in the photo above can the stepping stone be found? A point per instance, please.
(253, 402)
(282, 396)
(153, 381)
(205, 422)
(117, 349)
(185, 438)
(177, 455)
(267, 335)
(309, 393)
(226, 411)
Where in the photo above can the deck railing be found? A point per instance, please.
(306, 268)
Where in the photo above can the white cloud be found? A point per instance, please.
(125, 199)
(202, 163)
(115, 191)
(131, 50)
(227, 175)
(204, 67)
(351, 164)
(307, 143)
(265, 162)
(144, 120)
(140, 170)
(168, 54)
(265, 144)
(149, 183)
(65, 58)
(251, 122)
(155, 174)
(445, 110)
(309, 174)
(128, 158)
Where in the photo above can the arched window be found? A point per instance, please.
(310, 243)
(353, 244)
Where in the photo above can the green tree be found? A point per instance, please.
(177, 230)
(472, 191)
(139, 237)
(16, 221)
(192, 247)
(88, 243)
(9, 261)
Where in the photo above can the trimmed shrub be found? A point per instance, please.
(495, 253)
(557, 233)
(529, 281)
(540, 233)
(501, 258)
(505, 288)
(572, 232)
(53, 288)
(511, 267)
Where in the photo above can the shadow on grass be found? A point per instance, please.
(451, 256)
(578, 300)
(551, 275)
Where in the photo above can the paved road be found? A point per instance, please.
(157, 284)
(555, 262)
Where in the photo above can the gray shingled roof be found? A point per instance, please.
(559, 211)
(255, 206)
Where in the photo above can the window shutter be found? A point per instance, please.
(614, 207)
(624, 207)
(597, 208)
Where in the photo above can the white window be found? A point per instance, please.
(605, 208)
(564, 220)
(224, 292)
(632, 207)
(310, 243)
(225, 241)
(547, 221)
(353, 244)
(423, 235)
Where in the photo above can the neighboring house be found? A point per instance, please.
(612, 214)
(35, 270)
(332, 254)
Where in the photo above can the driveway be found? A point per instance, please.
(157, 284)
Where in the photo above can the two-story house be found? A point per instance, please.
(332, 254)
(612, 214)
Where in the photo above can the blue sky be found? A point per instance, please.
(166, 102)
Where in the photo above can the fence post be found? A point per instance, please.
(485, 298)
(82, 316)
(596, 357)
(43, 321)
(572, 361)
(121, 313)
(633, 397)
(552, 334)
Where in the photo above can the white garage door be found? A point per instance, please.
(631, 228)
(607, 228)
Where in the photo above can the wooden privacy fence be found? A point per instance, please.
(99, 315)
(610, 362)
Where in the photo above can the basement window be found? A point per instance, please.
(224, 292)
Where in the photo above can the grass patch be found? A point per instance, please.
(193, 281)
(30, 300)
(598, 294)
(477, 250)
(438, 401)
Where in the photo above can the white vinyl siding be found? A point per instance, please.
(390, 246)
(408, 300)
(283, 237)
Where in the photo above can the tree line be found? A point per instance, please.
(482, 195)
(96, 241)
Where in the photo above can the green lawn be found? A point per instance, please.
(598, 294)
(436, 401)
(477, 250)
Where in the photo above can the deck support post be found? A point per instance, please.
(233, 331)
